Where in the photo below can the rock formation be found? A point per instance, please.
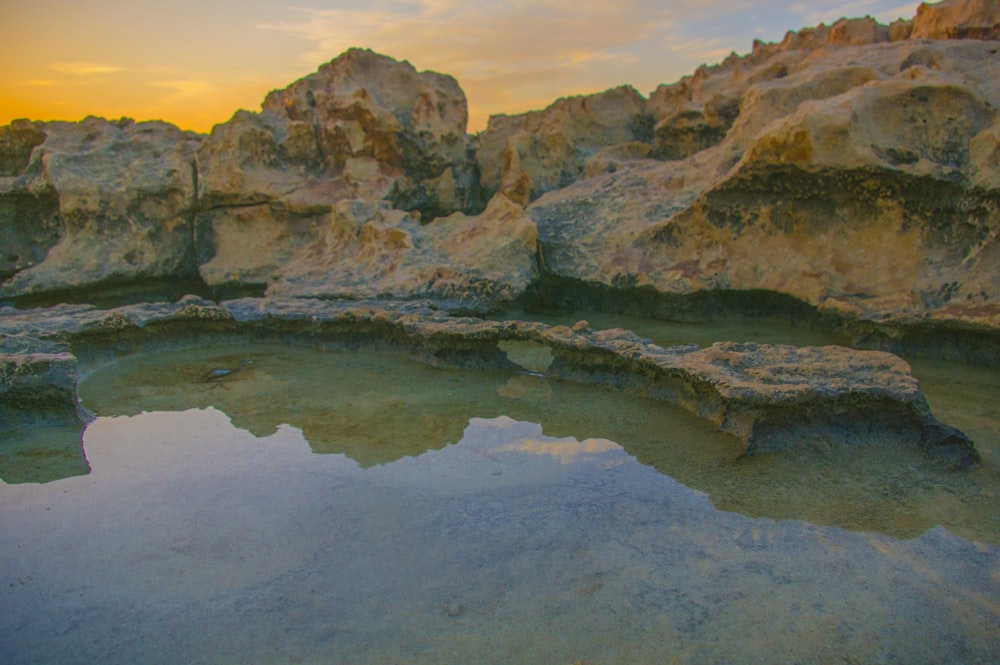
(312, 195)
(356, 181)
(95, 203)
(852, 167)
(858, 178)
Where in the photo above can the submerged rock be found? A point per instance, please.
(772, 397)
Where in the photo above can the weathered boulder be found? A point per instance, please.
(526, 155)
(356, 181)
(367, 251)
(97, 203)
(363, 126)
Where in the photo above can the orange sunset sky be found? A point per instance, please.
(195, 62)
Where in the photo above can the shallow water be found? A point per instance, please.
(338, 507)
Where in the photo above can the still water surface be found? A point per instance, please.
(355, 508)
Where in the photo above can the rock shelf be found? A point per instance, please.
(771, 397)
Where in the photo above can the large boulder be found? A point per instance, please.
(363, 123)
(95, 203)
(327, 183)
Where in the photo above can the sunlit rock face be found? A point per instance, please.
(366, 251)
(860, 179)
(529, 154)
(95, 202)
(957, 19)
(358, 181)
(363, 126)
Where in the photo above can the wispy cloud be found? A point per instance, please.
(828, 13)
(186, 87)
(499, 51)
(84, 68)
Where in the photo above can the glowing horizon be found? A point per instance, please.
(194, 64)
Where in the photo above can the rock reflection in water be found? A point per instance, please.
(194, 541)
(376, 409)
(40, 454)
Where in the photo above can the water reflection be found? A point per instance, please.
(377, 409)
(195, 541)
(40, 454)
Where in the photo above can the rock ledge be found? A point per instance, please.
(772, 397)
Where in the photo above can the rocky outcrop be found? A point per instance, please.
(860, 179)
(366, 252)
(363, 126)
(95, 203)
(357, 181)
(853, 167)
(772, 397)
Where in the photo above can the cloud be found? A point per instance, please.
(514, 55)
(828, 14)
(187, 87)
(84, 68)
(499, 51)
(567, 450)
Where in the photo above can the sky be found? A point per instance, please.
(195, 62)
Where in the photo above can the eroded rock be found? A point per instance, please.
(957, 19)
(98, 202)
(366, 251)
(526, 155)
(852, 167)
(357, 181)
(861, 175)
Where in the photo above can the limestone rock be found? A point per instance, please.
(330, 167)
(99, 202)
(862, 174)
(29, 205)
(957, 19)
(526, 155)
(365, 251)
(363, 126)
